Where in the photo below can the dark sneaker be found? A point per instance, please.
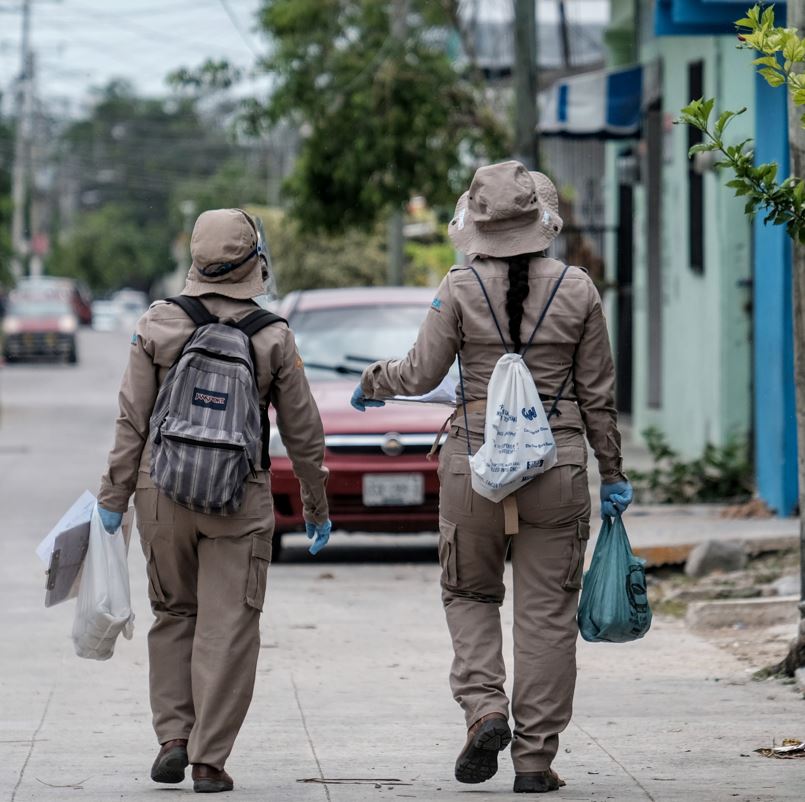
(538, 782)
(478, 760)
(171, 762)
(209, 780)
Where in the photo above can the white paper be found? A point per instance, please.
(445, 393)
(79, 513)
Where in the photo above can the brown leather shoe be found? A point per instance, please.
(171, 762)
(478, 760)
(537, 782)
(209, 780)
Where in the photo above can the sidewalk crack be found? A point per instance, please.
(31, 748)
(309, 738)
(616, 761)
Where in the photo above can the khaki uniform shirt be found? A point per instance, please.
(159, 338)
(572, 341)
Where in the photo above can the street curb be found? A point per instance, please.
(677, 554)
(765, 612)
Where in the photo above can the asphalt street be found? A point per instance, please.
(352, 701)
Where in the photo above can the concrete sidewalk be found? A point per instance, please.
(353, 672)
(352, 685)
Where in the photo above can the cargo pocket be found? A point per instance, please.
(456, 498)
(258, 572)
(574, 574)
(448, 557)
(155, 591)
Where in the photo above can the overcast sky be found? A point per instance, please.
(81, 44)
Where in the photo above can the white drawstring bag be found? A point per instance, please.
(518, 442)
(103, 609)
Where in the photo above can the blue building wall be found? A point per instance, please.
(775, 416)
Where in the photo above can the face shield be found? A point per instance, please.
(263, 253)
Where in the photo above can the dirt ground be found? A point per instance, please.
(671, 591)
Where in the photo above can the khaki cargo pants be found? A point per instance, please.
(206, 582)
(547, 560)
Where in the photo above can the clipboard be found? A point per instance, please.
(67, 561)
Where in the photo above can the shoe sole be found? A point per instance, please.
(171, 767)
(211, 786)
(479, 761)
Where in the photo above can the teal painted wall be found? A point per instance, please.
(706, 354)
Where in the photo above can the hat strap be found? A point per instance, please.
(226, 267)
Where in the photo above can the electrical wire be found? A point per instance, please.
(233, 18)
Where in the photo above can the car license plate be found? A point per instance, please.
(393, 489)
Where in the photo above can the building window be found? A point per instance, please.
(695, 178)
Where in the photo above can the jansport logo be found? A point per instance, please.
(209, 399)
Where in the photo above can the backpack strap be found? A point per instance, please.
(545, 311)
(491, 310)
(256, 321)
(194, 309)
(250, 325)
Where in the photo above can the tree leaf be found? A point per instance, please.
(773, 78)
(702, 147)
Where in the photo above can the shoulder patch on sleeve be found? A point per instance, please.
(437, 304)
(134, 338)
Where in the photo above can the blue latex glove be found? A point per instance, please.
(319, 531)
(360, 401)
(111, 520)
(615, 498)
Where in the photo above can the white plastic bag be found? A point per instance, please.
(103, 609)
(518, 442)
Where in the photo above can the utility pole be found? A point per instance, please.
(565, 38)
(21, 176)
(526, 145)
(395, 243)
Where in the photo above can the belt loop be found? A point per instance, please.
(511, 515)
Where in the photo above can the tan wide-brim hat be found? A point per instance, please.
(225, 260)
(507, 211)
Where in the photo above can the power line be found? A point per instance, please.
(238, 27)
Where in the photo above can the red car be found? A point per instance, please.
(39, 324)
(380, 479)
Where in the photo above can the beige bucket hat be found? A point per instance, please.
(507, 211)
(225, 260)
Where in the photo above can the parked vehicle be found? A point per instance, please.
(76, 292)
(39, 323)
(380, 479)
(106, 316)
(132, 304)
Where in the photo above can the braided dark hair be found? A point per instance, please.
(516, 295)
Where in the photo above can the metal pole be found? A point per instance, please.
(395, 236)
(526, 147)
(564, 37)
(22, 149)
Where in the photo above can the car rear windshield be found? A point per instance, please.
(36, 309)
(354, 336)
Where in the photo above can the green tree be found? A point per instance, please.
(383, 117)
(109, 249)
(131, 161)
(780, 199)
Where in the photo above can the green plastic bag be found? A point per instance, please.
(614, 605)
